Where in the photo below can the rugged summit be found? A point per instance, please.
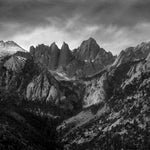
(9, 48)
(88, 50)
(89, 59)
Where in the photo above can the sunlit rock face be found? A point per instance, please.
(65, 95)
(96, 91)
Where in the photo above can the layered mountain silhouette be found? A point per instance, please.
(81, 99)
(88, 59)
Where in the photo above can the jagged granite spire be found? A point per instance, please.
(65, 55)
(88, 49)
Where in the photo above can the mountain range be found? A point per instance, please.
(84, 98)
(86, 60)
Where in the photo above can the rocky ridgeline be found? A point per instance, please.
(86, 60)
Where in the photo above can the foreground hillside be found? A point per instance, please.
(24, 130)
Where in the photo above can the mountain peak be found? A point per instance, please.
(8, 43)
(65, 55)
(11, 43)
(9, 48)
(64, 46)
(88, 49)
(64, 43)
(53, 46)
(91, 40)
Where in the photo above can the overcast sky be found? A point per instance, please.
(115, 24)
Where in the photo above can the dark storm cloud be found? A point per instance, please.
(73, 16)
(30, 12)
(36, 12)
